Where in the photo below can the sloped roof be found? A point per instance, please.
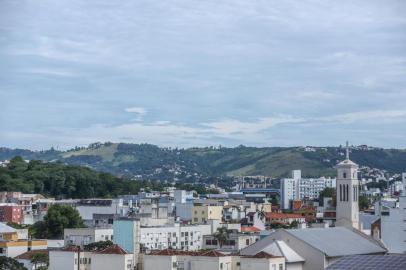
(249, 229)
(275, 247)
(212, 253)
(370, 262)
(262, 255)
(282, 215)
(347, 162)
(113, 249)
(71, 248)
(28, 255)
(337, 241)
(6, 229)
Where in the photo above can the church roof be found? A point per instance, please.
(347, 162)
(338, 241)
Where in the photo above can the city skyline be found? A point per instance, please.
(191, 73)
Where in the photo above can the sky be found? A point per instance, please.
(199, 73)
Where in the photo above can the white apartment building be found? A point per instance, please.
(189, 237)
(129, 234)
(84, 236)
(298, 188)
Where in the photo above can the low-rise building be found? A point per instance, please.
(73, 258)
(203, 213)
(283, 218)
(84, 236)
(211, 260)
(11, 212)
(235, 242)
(11, 245)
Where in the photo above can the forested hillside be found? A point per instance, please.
(147, 161)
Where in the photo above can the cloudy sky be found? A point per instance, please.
(194, 73)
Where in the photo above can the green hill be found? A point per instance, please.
(152, 162)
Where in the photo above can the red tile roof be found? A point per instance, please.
(249, 229)
(113, 249)
(262, 255)
(272, 215)
(212, 253)
(28, 255)
(174, 252)
(71, 249)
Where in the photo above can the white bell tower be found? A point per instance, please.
(347, 212)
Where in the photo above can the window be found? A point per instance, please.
(247, 242)
(347, 193)
(280, 266)
(221, 265)
(90, 261)
(341, 192)
(345, 175)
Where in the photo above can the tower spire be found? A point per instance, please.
(347, 151)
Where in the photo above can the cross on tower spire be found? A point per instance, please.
(347, 151)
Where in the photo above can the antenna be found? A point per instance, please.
(347, 151)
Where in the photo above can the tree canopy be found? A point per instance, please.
(56, 220)
(58, 180)
(7, 263)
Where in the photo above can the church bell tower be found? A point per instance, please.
(347, 188)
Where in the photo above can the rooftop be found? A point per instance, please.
(338, 241)
(28, 255)
(370, 262)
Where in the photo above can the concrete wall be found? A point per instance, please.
(62, 260)
(262, 264)
(159, 262)
(112, 262)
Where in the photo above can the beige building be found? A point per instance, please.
(203, 213)
(14, 243)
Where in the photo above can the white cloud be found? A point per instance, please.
(139, 111)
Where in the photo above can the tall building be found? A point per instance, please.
(298, 188)
(347, 212)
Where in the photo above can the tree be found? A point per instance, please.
(327, 193)
(97, 246)
(261, 213)
(7, 263)
(39, 258)
(56, 220)
(363, 202)
(221, 235)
